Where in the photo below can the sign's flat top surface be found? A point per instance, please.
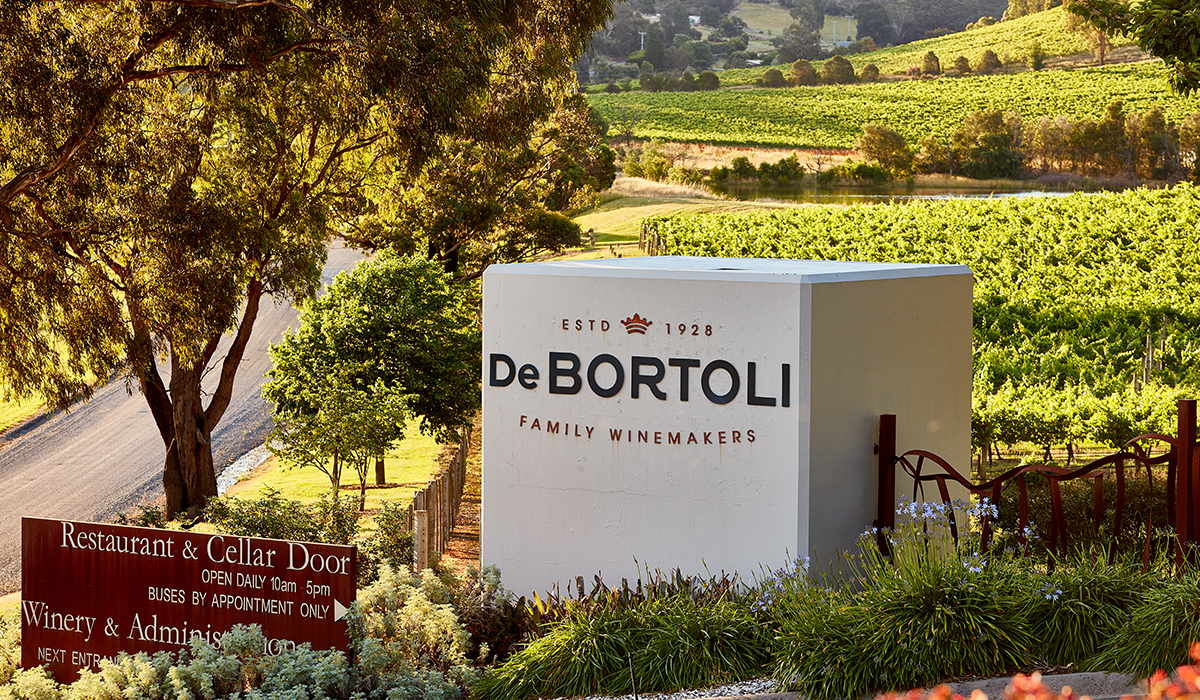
(731, 269)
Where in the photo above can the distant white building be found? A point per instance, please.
(693, 20)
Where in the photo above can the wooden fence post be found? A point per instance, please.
(1186, 478)
(886, 449)
(421, 540)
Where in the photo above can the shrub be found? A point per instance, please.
(1159, 630)
(1142, 500)
(653, 162)
(1083, 603)
(382, 670)
(837, 71)
(962, 65)
(803, 73)
(496, 621)
(10, 645)
(992, 157)
(612, 88)
(869, 73)
(674, 642)
(1037, 57)
(147, 516)
(988, 62)
(773, 78)
(930, 65)
(680, 175)
(858, 172)
(707, 80)
(632, 166)
(393, 533)
(331, 520)
(927, 612)
(743, 169)
(785, 171)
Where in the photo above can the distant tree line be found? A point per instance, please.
(1002, 145)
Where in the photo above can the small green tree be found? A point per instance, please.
(886, 146)
(989, 62)
(803, 73)
(743, 169)
(986, 145)
(654, 162)
(1037, 56)
(390, 341)
(837, 71)
(345, 425)
(930, 65)
(646, 78)
(869, 73)
(1093, 34)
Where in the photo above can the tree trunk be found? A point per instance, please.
(380, 473)
(192, 447)
(335, 475)
(185, 425)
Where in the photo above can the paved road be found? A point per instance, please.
(105, 456)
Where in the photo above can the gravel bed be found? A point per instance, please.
(754, 686)
(241, 466)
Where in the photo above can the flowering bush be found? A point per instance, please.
(933, 609)
(406, 640)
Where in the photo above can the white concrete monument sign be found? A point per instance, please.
(706, 412)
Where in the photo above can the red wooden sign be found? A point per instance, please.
(90, 590)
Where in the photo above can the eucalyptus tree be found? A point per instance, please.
(481, 202)
(164, 166)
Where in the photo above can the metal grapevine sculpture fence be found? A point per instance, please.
(1182, 502)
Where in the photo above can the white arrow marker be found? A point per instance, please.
(339, 610)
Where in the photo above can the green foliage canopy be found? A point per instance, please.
(391, 340)
(1164, 28)
(163, 166)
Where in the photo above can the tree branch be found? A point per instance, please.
(34, 174)
(233, 358)
(285, 6)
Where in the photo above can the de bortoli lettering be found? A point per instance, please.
(720, 381)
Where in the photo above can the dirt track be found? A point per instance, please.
(106, 456)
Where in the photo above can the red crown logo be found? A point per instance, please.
(636, 324)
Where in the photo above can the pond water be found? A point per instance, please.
(893, 194)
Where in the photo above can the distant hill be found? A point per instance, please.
(1014, 38)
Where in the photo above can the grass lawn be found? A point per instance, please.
(619, 218)
(761, 16)
(14, 412)
(409, 465)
